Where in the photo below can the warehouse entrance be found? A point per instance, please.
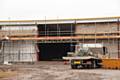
(54, 51)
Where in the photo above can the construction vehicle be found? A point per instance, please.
(84, 57)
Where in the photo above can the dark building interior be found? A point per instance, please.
(56, 29)
(54, 51)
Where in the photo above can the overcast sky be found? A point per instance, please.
(38, 9)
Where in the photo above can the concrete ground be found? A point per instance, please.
(56, 71)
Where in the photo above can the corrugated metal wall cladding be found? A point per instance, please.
(20, 51)
(15, 23)
(18, 30)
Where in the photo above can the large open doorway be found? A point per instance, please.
(54, 51)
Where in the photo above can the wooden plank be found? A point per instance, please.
(64, 38)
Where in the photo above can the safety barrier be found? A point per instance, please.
(111, 63)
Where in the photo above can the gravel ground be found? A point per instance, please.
(58, 71)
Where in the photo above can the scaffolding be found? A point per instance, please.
(63, 33)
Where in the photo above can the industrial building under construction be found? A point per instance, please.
(36, 40)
